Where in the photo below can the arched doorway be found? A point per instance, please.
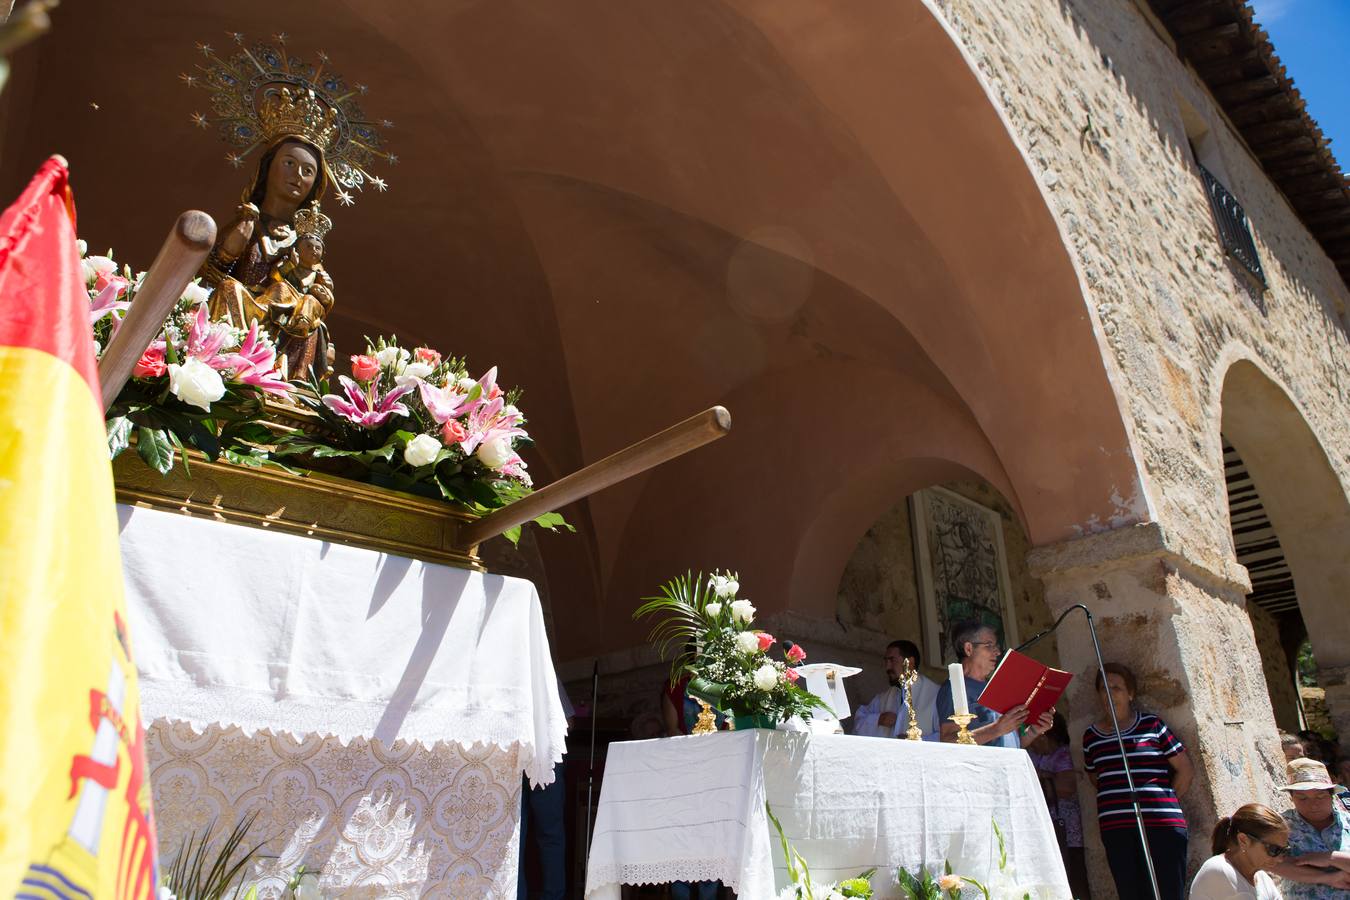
(898, 582)
(1291, 526)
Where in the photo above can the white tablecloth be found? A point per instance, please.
(692, 808)
(269, 631)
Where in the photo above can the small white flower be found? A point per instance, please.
(83, 247)
(418, 369)
(766, 676)
(196, 383)
(196, 294)
(392, 358)
(713, 609)
(421, 450)
(95, 266)
(495, 453)
(98, 349)
(724, 586)
(835, 895)
(465, 384)
(742, 611)
(747, 642)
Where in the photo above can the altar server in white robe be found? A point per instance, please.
(886, 715)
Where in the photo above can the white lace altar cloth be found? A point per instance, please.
(691, 808)
(232, 625)
(374, 821)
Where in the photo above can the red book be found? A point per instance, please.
(1020, 680)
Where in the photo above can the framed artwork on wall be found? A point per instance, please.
(962, 570)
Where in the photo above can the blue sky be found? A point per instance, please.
(1311, 38)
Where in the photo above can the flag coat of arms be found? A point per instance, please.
(75, 814)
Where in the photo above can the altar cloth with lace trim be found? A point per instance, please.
(693, 808)
(378, 711)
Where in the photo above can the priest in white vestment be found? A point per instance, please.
(886, 715)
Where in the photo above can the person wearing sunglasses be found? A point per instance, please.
(1319, 835)
(1247, 845)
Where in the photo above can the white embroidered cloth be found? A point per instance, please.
(234, 625)
(692, 808)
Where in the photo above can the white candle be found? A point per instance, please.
(957, 676)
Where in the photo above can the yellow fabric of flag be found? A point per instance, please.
(75, 814)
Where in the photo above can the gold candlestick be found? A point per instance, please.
(914, 732)
(963, 720)
(707, 720)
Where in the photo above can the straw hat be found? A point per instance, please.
(1307, 775)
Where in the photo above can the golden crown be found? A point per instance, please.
(262, 94)
(284, 112)
(309, 221)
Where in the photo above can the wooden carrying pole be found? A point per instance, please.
(179, 259)
(677, 440)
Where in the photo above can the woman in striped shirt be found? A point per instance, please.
(1161, 771)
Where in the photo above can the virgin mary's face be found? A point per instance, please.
(292, 172)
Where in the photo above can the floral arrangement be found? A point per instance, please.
(949, 885)
(199, 383)
(729, 663)
(417, 419)
(407, 420)
(801, 887)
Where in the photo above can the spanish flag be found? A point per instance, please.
(75, 816)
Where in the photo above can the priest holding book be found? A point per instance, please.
(977, 651)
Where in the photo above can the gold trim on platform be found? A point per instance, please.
(309, 503)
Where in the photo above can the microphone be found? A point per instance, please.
(1120, 740)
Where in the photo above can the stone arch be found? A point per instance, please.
(1308, 510)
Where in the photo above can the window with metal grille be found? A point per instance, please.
(1234, 232)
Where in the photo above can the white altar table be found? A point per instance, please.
(377, 711)
(692, 808)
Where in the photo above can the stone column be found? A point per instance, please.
(1184, 630)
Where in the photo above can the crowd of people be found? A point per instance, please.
(1302, 854)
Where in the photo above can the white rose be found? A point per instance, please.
(747, 642)
(82, 247)
(98, 349)
(766, 676)
(713, 609)
(418, 369)
(97, 265)
(196, 294)
(495, 453)
(392, 358)
(742, 611)
(421, 450)
(196, 383)
(465, 384)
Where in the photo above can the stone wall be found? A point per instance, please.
(1094, 96)
(1279, 679)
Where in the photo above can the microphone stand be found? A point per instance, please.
(1120, 739)
(590, 775)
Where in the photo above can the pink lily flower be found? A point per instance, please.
(444, 403)
(107, 304)
(365, 407)
(205, 340)
(255, 364)
(515, 468)
(487, 422)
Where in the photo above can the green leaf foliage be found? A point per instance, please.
(154, 447)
